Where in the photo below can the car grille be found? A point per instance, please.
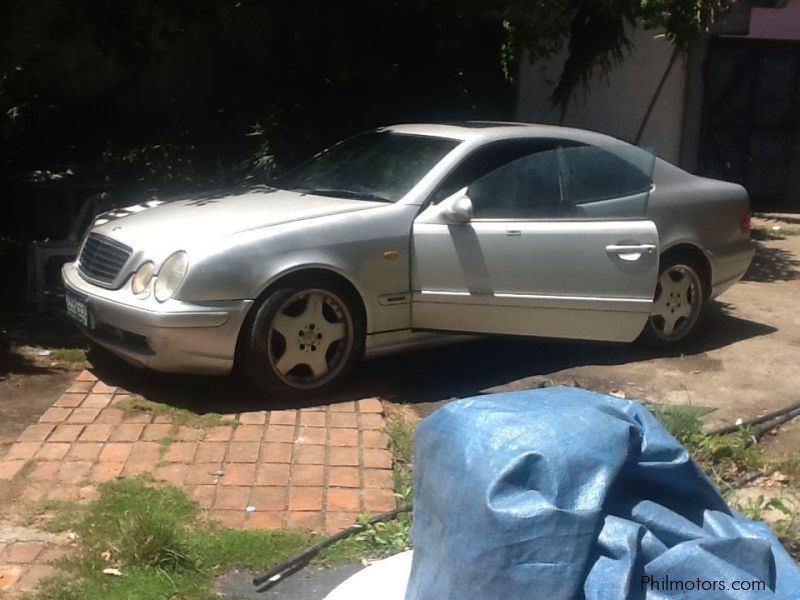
(102, 258)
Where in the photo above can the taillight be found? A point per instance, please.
(744, 222)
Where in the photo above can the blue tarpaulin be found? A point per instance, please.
(561, 493)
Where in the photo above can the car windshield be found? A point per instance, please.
(378, 165)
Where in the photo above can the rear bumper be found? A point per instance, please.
(729, 264)
(175, 337)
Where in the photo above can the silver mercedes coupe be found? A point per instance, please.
(411, 235)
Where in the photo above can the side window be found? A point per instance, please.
(553, 179)
(616, 180)
(482, 161)
(526, 188)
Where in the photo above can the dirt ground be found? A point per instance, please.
(30, 380)
(742, 362)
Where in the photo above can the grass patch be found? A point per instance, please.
(401, 437)
(788, 531)
(178, 417)
(54, 516)
(786, 526)
(140, 524)
(375, 542)
(167, 441)
(791, 468)
(70, 355)
(722, 457)
(152, 534)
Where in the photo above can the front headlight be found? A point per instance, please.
(171, 276)
(141, 279)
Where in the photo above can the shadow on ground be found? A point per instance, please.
(431, 375)
(29, 385)
(25, 328)
(12, 362)
(773, 264)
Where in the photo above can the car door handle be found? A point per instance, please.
(513, 232)
(631, 248)
(630, 252)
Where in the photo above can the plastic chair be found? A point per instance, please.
(40, 252)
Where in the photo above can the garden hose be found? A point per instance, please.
(282, 570)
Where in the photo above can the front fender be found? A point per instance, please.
(242, 266)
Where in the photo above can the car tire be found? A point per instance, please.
(304, 339)
(678, 302)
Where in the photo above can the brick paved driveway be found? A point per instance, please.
(316, 468)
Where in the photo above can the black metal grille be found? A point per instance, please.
(102, 258)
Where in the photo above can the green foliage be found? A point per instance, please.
(722, 457)
(508, 50)
(401, 435)
(790, 467)
(178, 416)
(153, 536)
(223, 549)
(54, 516)
(681, 20)
(263, 161)
(153, 584)
(71, 355)
(683, 422)
(788, 531)
(140, 524)
(170, 98)
(386, 538)
(786, 525)
(754, 508)
(156, 163)
(596, 34)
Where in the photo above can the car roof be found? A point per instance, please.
(483, 131)
(480, 132)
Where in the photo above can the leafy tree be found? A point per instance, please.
(596, 32)
(131, 85)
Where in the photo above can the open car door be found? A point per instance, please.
(554, 242)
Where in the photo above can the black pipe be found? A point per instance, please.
(744, 480)
(760, 430)
(757, 421)
(291, 565)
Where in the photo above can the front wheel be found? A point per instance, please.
(680, 295)
(304, 340)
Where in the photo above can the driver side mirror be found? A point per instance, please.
(458, 208)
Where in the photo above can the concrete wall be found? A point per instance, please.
(776, 24)
(616, 105)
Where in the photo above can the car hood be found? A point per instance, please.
(185, 221)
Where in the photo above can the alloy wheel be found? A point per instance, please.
(677, 302)
(310, 338)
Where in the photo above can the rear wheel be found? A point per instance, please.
(679, 299)
(304, 340)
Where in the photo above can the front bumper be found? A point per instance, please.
(175, 337)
